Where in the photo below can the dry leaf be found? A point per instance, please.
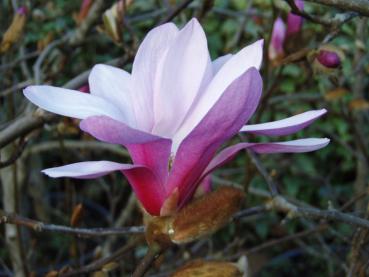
(76, 215)
(201, 268)
(359, 104)
(100, 274)
(110, 266)
(14, 31)
(52, 273)
(335, 94)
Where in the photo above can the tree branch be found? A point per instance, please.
(359, 6)
(39, 226)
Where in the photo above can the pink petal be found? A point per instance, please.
(147, 187)
(277, 39)
(147, 70)
(145, 149)
(293, 146)
(236, 106)
(114, 85)
(238, 64)
(285, 126)
(184, 68)
(294, 22)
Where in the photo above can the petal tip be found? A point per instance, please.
(49, 173)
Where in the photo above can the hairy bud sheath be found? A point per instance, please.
(206, 269)
(205, 215)
(201, 217)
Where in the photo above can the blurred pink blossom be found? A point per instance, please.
(277, 39)
(294, 22)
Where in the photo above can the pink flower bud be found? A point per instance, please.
(85, 88)
(277, 39)
(329, 59)
(22, 10)
(294, 22)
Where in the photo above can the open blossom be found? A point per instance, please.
(172, 112)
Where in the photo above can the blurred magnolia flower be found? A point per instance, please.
(172, 113)
(281, 33)
(294, 22)
(277, 40)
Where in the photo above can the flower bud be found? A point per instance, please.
(275, 50)
(157, 229)
(294, 22)
(85, 88)
(208, 268)
(22, 10)
(205, 215)
(329, 59)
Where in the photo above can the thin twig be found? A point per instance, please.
(16, 154)
(256, 161)
(359, 6)
(176, 11)
(250, 211)
(39, 226)
(152, 254)
(96, 265)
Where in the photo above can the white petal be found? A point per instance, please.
(285, 126)
(219, 62)
(298, 145)
(184, 68)
(71, 103)
(147, 68)
(250, 56)
(114, 85)
(85, 170)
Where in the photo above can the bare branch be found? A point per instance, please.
(359, 6)
(39, 226)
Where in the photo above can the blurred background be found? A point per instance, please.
(57, 42)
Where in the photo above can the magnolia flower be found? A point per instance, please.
(172, 113)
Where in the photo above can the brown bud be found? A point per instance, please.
(205, 215)
(52, 273)
(359, 104)
(110, 267)
(100, 274)
(201, 268)
(157, 231)
(76, 215)
(14, 31)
